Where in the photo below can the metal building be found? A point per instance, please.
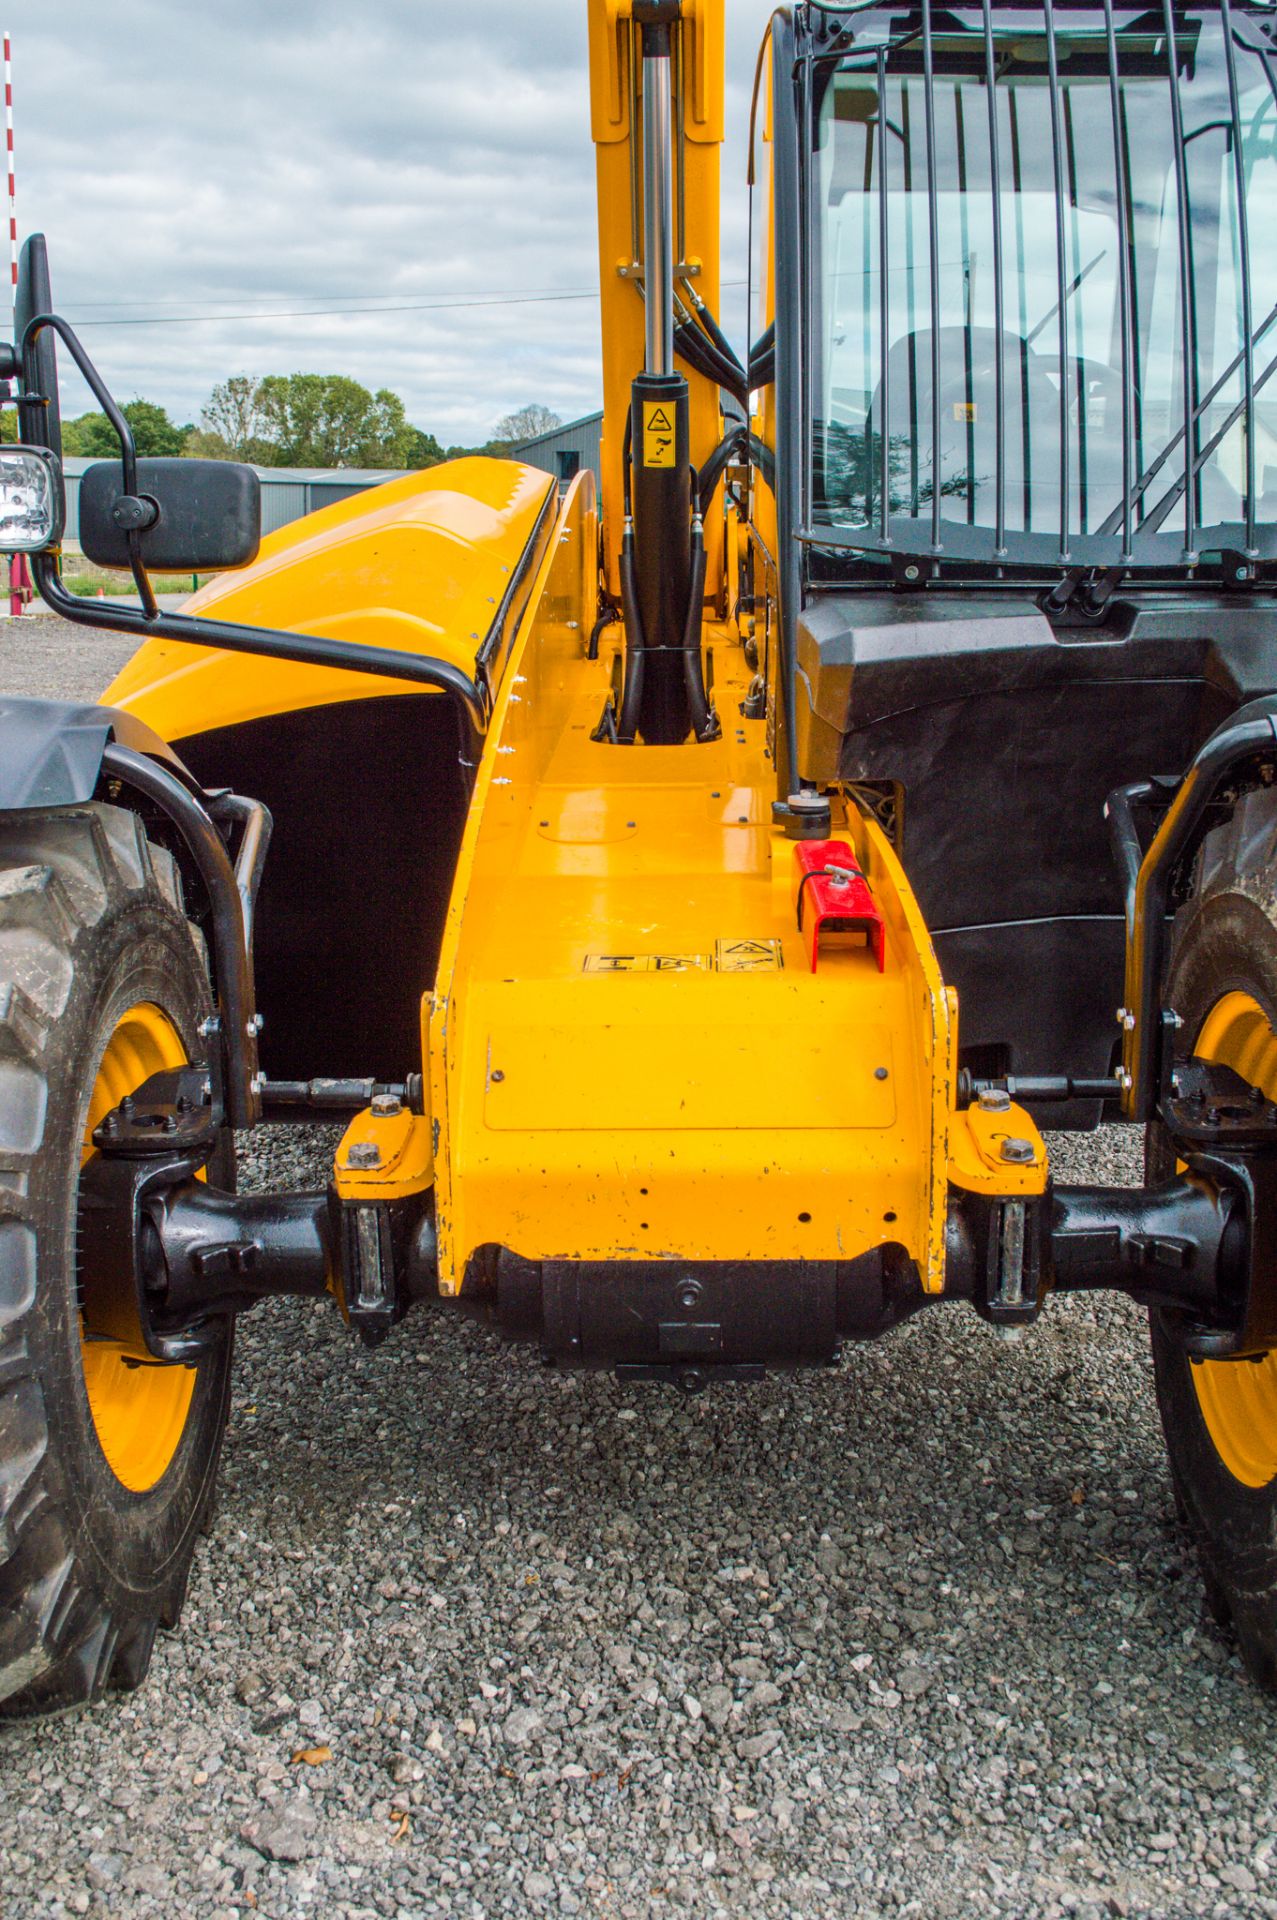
(565, 450)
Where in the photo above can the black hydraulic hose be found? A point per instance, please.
(607, 615)
(762, 359)
(703, 357)
(635, 644)
(714, 468)
(693, 666)
(764, 459)
(716, 333)
(233, 965)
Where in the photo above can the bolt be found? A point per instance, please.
(1020, 1152)
(386, 1105)
(880, 1073)
(913, 572)
(1123, 1079)
(209, 1027)
(1126, 1019)
(170, 1123)
(258, 1083)
(255, 1026)
(363, 1153)
(1172, 1019)
(994, 1100)
(496, 1076)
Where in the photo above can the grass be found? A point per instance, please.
(83, 578)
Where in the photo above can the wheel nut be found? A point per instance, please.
(994, 1100)
(1019, 1152)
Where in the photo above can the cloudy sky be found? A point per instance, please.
(221, 173)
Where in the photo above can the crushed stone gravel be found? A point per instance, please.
(914, 1636)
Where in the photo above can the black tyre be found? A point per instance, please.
(1220, 1417)
(107, 1464)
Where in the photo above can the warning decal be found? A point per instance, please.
(645, 962)
(748, 956)
(730, 956)
(658, 434)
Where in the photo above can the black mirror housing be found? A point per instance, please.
(207, 515)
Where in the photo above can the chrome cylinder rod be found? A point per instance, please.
(658, 201)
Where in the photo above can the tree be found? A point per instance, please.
(422, 449)
(154, 434)
(526, 424)
(233, 416)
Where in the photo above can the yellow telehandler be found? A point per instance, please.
(695, 898)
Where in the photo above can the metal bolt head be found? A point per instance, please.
(364, 1153)
(386, 1105)
(1126, 1019)
(913, 572)
(209, 1027)
(994, 1100)
(1020, 1153)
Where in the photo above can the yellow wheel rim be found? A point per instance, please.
(139, 1410)
(1238, 1398)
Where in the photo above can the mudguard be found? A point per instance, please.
(51, 751)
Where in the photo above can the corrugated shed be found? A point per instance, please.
(554, 451)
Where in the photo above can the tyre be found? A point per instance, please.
(107, 1460)
(1220, 1416)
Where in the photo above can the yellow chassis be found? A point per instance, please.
(628, 1057)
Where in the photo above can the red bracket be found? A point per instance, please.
(834, 897)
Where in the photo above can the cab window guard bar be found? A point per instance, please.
(1129, 536)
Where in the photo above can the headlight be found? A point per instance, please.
(31, 508)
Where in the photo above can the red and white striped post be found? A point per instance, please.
(8, 141)
(19, 585)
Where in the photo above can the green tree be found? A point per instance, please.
(329, 420)
(422, 449)
(154, 434)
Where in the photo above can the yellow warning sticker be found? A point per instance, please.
(658, 434)
(646, 962)
(748, 956)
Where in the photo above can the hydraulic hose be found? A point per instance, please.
(693, 666)
(703, 357)
(635, 643)
(715, 332)
(714, 468)
(762, 359)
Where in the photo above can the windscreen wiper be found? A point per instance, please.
(1101, 582)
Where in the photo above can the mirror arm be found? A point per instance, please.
(306, 649)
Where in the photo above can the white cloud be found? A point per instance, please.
(255, 158)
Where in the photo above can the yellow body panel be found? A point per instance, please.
(606, 1085)
(616, 120)
(421, 564)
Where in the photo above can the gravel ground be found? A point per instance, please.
(914, 1637)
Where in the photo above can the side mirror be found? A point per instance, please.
(31, 500)
(193, 516)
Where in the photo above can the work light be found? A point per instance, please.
(31, 506)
